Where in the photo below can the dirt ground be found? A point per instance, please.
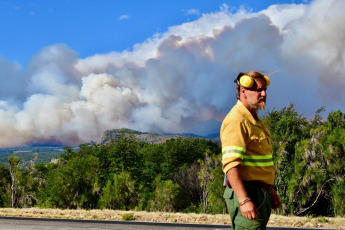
(275, 220)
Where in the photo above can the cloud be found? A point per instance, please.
(123, 17)
(180, 80)
(193, 12)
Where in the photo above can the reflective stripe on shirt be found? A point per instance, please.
(248, 160)
(233, 151)
(258, 160)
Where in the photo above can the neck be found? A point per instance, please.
(253, 111)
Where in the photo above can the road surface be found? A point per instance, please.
(18, 223)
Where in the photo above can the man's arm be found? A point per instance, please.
(248, 209)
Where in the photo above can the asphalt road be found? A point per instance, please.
(18, 223)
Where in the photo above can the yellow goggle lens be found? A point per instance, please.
(246, 81)
(267, 80)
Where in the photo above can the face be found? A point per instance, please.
(256, 96)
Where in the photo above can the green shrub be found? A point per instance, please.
(322, 219)
(127, 216)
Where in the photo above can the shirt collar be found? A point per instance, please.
(250, 117)
(247, 114)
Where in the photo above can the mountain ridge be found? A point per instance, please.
(149, 137)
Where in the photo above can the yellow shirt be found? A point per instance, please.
(247, 142)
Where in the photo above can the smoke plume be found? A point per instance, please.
(178, 81)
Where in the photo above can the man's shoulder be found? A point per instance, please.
(236, 113)
(234, 116)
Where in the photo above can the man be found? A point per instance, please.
(247, 156)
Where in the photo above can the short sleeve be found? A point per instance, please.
(233, 137)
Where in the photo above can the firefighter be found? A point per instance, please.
(247, 156)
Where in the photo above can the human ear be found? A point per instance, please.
(243, 91)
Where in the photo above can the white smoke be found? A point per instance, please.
(174, 81)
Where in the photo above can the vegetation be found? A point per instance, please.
(309, 156)
(45, 153)
(184, 174)
(153, 138)
(127, 216)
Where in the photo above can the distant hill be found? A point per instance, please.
(48, 152)
(154, 138)
(112, 135)
(45, 152)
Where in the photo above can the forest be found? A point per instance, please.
(184, 175)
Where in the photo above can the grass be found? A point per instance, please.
(167, 217)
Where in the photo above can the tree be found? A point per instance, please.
(165, 195)
(119, 193)
(334, 153)
(152, 164)
(13, 163)
(4, 181)
(123, 156)
(318, 119)
(73, 181)
(338, 197)
(307, 189)
(190, 190)
(218, 205)
(206, 175)
(315, 185)
(287, 128)
(336, 120)
(28, 184)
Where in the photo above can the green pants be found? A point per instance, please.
(262, 200)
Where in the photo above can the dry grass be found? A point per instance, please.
(166, 217)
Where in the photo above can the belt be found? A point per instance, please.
(267, 187)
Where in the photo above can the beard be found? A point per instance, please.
(262, 105)
(257, 105)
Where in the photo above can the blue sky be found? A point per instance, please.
(93, 27)
(70, 70)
